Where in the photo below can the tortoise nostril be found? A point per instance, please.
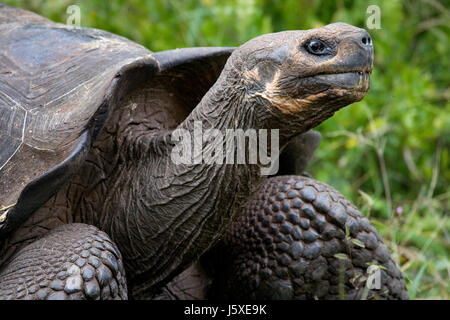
(366, 40)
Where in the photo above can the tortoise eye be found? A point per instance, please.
(317, 47)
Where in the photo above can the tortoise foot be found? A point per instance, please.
(301, 239)
(74, 261)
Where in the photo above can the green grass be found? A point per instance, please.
(389, 153)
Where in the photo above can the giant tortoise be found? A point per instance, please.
(93, 205)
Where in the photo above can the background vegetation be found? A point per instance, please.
(389, 153)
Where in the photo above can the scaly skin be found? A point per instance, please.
(80, 262)
(285, 247)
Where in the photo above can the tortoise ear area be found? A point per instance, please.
(259, 77)
(264, 74)
(267, 72)
(264, 68)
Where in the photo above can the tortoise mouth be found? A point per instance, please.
(357, 81)
(351, 80)
(337, 89)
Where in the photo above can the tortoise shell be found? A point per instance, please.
(58, 86)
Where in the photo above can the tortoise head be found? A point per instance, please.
(305, 75)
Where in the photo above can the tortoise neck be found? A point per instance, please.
(179, 210)
(221, 107)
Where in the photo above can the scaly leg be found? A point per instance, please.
(73, 261)
(301, 239)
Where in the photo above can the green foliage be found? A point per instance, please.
(389, 153)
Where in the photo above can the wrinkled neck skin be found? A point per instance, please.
(175, 212)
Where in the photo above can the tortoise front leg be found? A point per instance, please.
(301, 239)
(73, 261)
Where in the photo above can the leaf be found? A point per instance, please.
(341, 256)
(358, 243)
(414, 287)
(367, 198)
